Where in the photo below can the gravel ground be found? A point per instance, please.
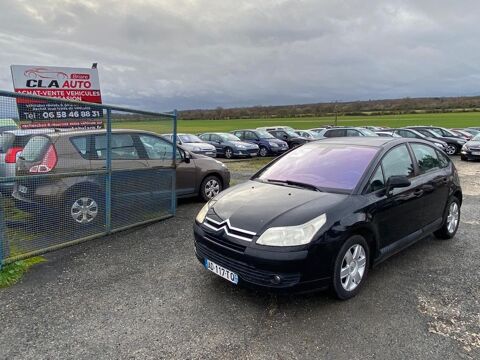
(141, 294)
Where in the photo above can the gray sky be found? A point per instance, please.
(164, 54)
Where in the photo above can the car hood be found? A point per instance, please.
(246, 144)
(452, 139)
(254, 206)
(473, 143)
(275, 140)
(202, 146)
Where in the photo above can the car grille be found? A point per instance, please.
(228, 229)
(225, 243)
(246, 272)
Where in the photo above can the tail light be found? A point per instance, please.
(11, 155)
(48, 162)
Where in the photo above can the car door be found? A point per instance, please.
(160, 156)
(251, 137)
(128, 169)
(398, 215)
(434, 180)
(216, 141)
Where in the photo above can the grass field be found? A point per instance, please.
(449, 120)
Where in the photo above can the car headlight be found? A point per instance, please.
(461, 142)
(272, 144)
(203, 211)
(195, 148)
(292, 235)
(439, 145)
(241, 147)
(220, 163)
(465, 147)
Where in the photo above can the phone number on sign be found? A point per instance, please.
(45, 115)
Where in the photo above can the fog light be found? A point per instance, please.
(276, 279)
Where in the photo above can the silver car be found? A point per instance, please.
(193, 144)
(12, 143)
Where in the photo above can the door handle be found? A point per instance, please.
(418, 192)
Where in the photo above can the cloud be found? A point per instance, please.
(207, 53)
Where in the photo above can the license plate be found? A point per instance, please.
(22, 189)
(475, 152)
(221, 271)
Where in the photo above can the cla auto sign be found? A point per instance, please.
(56, 82)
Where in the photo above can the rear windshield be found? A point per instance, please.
(328, 166)
(6, 142)
(36, 147)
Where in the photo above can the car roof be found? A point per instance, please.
(22, 132)
(374, 141)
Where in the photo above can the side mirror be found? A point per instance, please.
(397, 181)
(185, 156)
(285, 137)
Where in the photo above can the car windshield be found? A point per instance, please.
(428, 133)
(291, 133)
(368, 132)
(190, 138)
(322, 166)
(262, 134)
(476, 138)
(229, 137)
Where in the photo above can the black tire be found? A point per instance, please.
(263, 152)
(338, 283)
(446, 231)
(94, 213)
(228, 153)
(211, 186)
(452, 149)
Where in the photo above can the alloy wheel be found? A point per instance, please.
(451, 149)
(453, 217)
(212, 188)
(228, 153)
(353, 267)
(84, 210)
(263, 151)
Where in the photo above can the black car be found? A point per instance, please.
(290, 137)
(454, 142)
(414, 134)
(324, 213)
(471, 150)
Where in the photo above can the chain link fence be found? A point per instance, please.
(72, 171)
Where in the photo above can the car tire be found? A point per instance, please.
(451, 220)
(211, 186)
(263, 151)
(84, 208)
(228, 153)
(451, 149)
(351, 267)
(463, 158)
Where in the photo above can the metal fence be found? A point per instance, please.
(60, 186)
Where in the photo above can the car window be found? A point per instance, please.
(36, 147)
(352, 132)
(216, 138)
(205, 137)
(397, 162)
(249, 135)
(239, 134)
(377, 181)
(443, 159)
(406, 134)
(123, 147)
(157, 148)
(80, 143)
(335, 133)
(426, 156)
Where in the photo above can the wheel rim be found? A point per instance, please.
(263, 151)
(353, 267)
(228, 153)
(451, 149)
(212, 188)
(453, 217)
(84, 210)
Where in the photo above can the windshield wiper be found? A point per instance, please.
(296, 184)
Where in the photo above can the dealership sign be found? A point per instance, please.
(80, 84)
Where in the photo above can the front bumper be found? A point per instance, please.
(210, 153)
(246, 152)
(278, 150)
(298, 271)
(470, 154)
